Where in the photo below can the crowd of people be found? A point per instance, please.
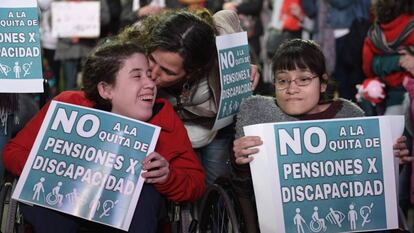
(157, 63)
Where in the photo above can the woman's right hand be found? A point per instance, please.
(243, 148)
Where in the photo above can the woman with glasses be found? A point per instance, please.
(301, 81)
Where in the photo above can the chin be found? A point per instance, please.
(145, 117)
(295, 112)
(291, 110)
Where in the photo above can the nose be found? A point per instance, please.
(292, 88)
(149, 83)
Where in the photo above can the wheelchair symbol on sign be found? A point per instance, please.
(55, 197)
(317, 224)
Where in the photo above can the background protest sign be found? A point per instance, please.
(87, 163)
(326, 176)
(234, 63)
(20, 64)
(76, 19)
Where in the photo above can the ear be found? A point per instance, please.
(105, 90)
(324, 83)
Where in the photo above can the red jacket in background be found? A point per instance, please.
(186, 178)
(391, 31)
(290, 22)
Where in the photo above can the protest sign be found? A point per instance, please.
(76, 19)
(234, 65)
(87, 163)
(326, 176)
(20, 64)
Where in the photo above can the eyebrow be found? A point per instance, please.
(135, 69)
(166, 70)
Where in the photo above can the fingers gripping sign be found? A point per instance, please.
(156, 167)
(244, 147)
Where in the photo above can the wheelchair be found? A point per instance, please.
(221, 211)
(10, 216)
(177, 217)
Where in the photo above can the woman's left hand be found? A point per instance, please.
(157, 168)
(254, 76)
(401, 151)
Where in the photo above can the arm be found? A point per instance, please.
(367, 57)
(185, 181)
(16, 151)
(243, 146)
(401, 151)
(406, 61)
(383, 65)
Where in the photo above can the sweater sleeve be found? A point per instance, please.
(367, 57)
(186, 178)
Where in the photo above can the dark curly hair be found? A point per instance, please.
(103, 64)
(386, 11)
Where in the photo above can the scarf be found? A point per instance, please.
(377, 37)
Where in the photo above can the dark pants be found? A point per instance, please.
(145, 219)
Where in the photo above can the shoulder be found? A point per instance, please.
(164, 115)
(74, 97)
(226, 22)
(258, 102)
(349, 109)
(255, 110)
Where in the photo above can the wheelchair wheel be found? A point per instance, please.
(11, 221)
(217, 213)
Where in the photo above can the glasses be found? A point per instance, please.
(284, 83)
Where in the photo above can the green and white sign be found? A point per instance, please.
(327, 176)
(234, 63)
(87, 163)
(20, 64)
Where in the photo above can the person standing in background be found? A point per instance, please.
(70, 51)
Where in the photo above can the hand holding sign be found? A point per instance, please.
(157, 168)
(243, 147)
(254, 76)
(401, 151)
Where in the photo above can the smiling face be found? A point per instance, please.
(299, 100)
(133, 94)
(167, 68)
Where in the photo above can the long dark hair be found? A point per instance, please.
(189, 35)
(386, 11)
